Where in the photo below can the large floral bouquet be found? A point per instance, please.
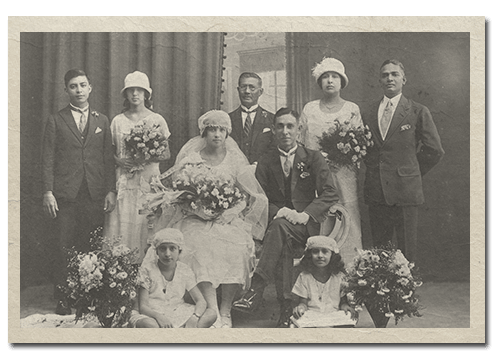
(383, 280)
(345, 144)
(197, 188)
(207, 192)
(145, 144)
(102, 283)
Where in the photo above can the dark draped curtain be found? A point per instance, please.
(185, 71)
(437, 70)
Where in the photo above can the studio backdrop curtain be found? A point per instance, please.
(184, 69)
(437, 71)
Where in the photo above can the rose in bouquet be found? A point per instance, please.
(345, 144)
(385, 282)
(102, 283)
(145, 144)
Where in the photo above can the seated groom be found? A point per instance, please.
(300, 189)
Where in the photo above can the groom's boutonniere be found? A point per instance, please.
(264, 114)
(301, 167)
(95, 114)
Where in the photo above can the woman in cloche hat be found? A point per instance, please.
(132, 180)
(318, 116)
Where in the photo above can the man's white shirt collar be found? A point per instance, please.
(291, 157)
(244, 115)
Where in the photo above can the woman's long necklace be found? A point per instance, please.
(321, 289)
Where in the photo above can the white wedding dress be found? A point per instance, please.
(315, 122)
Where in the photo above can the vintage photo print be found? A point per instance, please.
(247, 184)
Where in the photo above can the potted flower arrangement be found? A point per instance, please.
(102, 282)
(384, 281)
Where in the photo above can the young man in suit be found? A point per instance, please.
(407, 146)
(300, 189)
(78, 172)
(250, 122)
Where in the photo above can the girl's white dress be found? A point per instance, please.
(315, 122)
(323, 300)
(165, 296)
(124, 221)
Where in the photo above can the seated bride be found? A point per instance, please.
(212, 196)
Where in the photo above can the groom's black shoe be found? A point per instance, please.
(250, 301)
(285, 314)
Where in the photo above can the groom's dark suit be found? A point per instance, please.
(79, 170)
(260, 139)
(309, 189)
(394, 170)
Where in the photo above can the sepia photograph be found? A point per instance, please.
(289, 182)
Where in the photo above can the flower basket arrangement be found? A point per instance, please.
(198, 189)
(102, 282)
(344, 144)
(385, 282)
(145, 144)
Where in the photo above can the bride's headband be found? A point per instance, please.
(215, 118)
(321, 241)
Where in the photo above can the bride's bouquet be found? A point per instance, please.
(345, 144)
(198, 189)
(208, 193)
(145, 144)
(384, 280)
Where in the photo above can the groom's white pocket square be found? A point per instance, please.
(98, 130)
(266, 130)
(405, 127)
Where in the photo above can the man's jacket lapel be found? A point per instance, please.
(67, 116)
(278, 171)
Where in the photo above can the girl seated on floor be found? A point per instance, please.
(163, 281)
(318, 287)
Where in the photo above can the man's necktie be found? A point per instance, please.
(83, 119)
(248, 123)
(386, 119)
(287, 166)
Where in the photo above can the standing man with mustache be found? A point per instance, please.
(407, 146)
(250, 122)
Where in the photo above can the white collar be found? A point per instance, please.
(289, 153)
(251, 109)
(394, 100)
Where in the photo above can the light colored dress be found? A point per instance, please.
(315, 122)
(165, 296)
(219, 253)
(124, 221)
(323, 300)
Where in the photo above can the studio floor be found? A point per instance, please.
(446, 305)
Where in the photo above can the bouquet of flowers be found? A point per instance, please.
(145, 144)
(345, 144)
(383, 280)
(207, 193)
(102, 283)
(197, 188)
